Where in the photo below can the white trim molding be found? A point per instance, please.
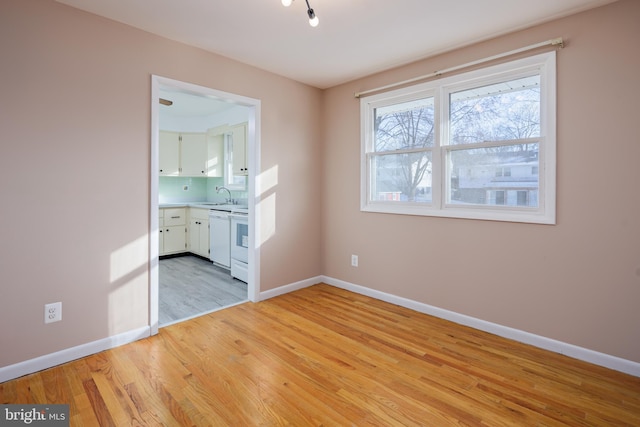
(576, 352)
(67, 355)
(253, 199)
(285, 289)
(438, 148)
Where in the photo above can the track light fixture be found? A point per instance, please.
(313, 19)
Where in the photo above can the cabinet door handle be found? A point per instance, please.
(175, 217)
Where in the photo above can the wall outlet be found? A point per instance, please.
(53, 312)
(354, 260)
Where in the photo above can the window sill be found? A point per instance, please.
(478, 213)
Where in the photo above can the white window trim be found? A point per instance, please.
(545, 213)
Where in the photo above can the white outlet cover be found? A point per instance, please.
(53, 312)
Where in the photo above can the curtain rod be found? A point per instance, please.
(552, 42)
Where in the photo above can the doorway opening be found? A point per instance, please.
(206, 109)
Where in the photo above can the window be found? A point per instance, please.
(477, 145)
(503, 171)
(522, 198)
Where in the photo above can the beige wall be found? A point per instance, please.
(74, 167)
(577, 281)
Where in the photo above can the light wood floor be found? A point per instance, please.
(324, 356)
(190, 286)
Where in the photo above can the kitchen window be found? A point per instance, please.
(478, 145)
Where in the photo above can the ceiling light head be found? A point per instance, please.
(313, 19)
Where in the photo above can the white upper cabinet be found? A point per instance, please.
(169, 153)
(220, 152)
(239, 150)
(193, 154)
(183, 154)
(215, 151)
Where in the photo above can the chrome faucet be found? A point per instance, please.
(229, 200)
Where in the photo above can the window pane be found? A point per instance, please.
(495, 176)
(497, 112)
(404, 126)
(402, 177)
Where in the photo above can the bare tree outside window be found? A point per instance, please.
(504, 119)
(404, 134)
(499, 112)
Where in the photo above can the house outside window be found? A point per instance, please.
(477, 145)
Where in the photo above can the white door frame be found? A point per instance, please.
(253, 156)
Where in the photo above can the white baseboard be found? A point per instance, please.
(63, 356)
(290, 288)
(612, 362)
(580, 353)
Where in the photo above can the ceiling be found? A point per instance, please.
(188, 105)
(355, 38)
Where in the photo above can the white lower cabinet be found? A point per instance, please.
(194, 230)
(199, 231)
(173, 231)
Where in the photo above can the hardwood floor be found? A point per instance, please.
(325, 356)
(190, 286)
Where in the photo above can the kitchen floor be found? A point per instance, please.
(191, 286)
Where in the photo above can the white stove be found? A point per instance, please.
(240, 244)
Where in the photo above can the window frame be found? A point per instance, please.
(545, 213)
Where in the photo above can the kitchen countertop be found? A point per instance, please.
(207, 205)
